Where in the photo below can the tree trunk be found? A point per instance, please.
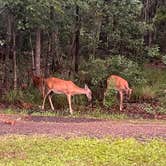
(54, 43)
(77, 40)
(38, 51)
(54, 51)
(8, 50)
(96, 34)
(32, 53)
(46, 72)
(14, 62)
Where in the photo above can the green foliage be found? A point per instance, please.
(164, 59)
(33, 14)
(110, 95)
(126, 30)
(160, 24)
(144, 93)
(149, 109)
(98, 71)
(160, 15)
(161, 109)
(37, 150)
(13, 95)
(32, 95)
(153, 88)
(154, 52)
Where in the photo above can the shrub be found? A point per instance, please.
(144, 92)
(164, 59)
(32, 95)
(13, 95)
(110, 98)
(154, 52)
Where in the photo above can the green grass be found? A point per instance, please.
(97, 113)
(39, 151)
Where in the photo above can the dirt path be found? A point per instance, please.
(70, 127)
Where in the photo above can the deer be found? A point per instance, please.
(121, 85)
(66, 87)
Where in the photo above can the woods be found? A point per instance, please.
(83, 41)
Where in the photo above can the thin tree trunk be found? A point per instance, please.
(77, 40)
(38, 51)
(54, 43)
(8, 47)
(96, 35)
(53, 50)
(46, 72)
(32, 53)
(14, 62)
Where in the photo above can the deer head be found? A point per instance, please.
(88, 93)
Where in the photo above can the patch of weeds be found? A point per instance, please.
(144, 93)
(161, 110)
(13, 95)
(110, 98)
(149, 109)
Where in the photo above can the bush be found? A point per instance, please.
(13, 95)
(154, 52)
(144, 92)
(164, 59)
(110, 98)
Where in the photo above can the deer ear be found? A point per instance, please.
(86, 86)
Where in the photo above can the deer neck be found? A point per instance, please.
(79, 91)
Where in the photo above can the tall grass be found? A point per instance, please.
(154, 85)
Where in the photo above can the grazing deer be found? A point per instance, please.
(60, 86)
(120, 85)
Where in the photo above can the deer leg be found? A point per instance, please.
(50, 100)
(121, 100)
(69, 101)
(129, 92)
(45, 98)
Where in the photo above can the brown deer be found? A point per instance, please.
(60, 86)
(120, 85)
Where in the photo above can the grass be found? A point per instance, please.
(97, 113)
(154, 85)
(38, 151)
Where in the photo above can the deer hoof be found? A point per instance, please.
(41, 107)
(71, 112)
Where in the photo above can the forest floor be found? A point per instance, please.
(72, 127)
